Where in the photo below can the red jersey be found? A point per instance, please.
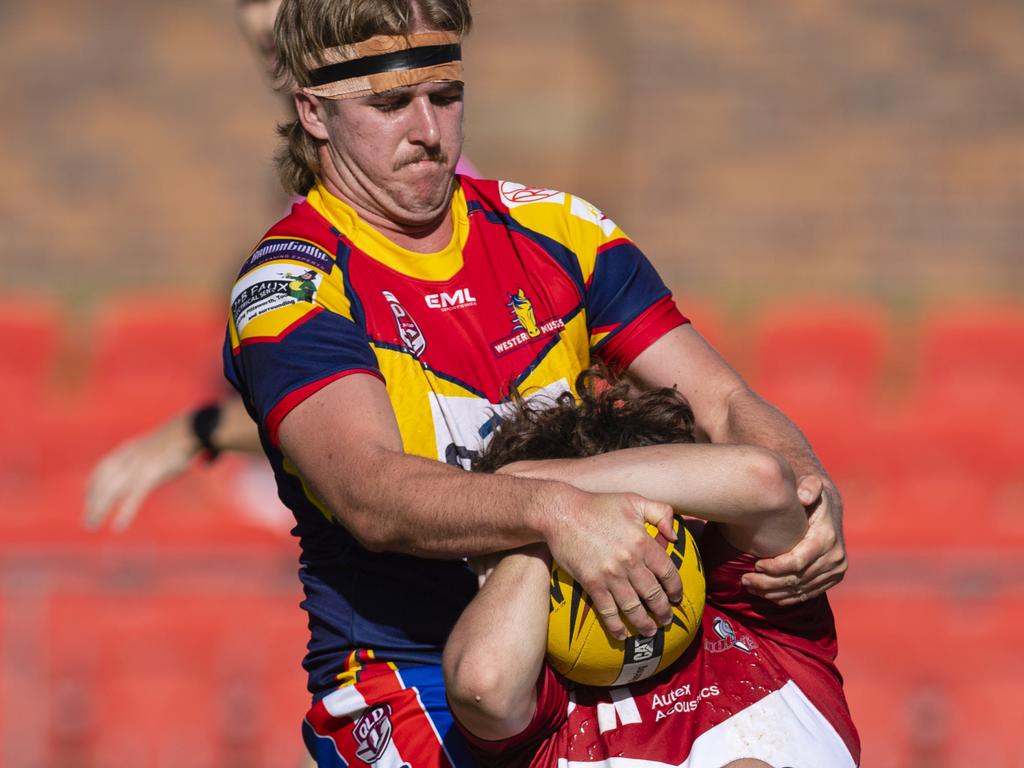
(759, 681)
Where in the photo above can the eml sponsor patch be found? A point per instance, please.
(272, 287)
(289, 249)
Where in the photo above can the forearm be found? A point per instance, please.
(396, 502)
(749, 419)
(494, 654)
(750, 491)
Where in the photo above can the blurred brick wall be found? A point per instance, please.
(755, 149)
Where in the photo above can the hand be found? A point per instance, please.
(817, 562)
(609, 552)
(128, 474)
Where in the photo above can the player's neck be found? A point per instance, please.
(431, 234)
(421, 238)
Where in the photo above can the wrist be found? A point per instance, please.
(204, 423)
(551, 513)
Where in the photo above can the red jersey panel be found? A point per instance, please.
(760, 681)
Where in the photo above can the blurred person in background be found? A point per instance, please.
(758, 680)
(436, 295)
(125, 477)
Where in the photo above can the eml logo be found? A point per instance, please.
(448, 301)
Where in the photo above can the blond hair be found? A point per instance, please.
(304, 28)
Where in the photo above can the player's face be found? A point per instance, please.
(396, 152)
(256, 18)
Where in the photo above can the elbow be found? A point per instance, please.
(477, 691)
(371, 533)
(773, 478)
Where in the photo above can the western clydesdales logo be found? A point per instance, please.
(525, 324)
(410, 333)
(372, 733)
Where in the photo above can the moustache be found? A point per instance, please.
(430, 155)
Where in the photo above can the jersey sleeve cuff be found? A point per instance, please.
(625, 346)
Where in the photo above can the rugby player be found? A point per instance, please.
(435, 296)
(123, 479)
(758, 681)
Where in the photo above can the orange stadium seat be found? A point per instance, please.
(972, 361)
(30, 335)
(207, 676)
(154, 355)
(821, 364)
(935, 482)
(820, 356)
(920, 663)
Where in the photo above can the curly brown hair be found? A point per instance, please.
(606, 418)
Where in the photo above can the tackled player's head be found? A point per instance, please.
(608, 417)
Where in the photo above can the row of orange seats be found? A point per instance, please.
(178, 666)
(912, 469)
(932, 666)
(167, 663)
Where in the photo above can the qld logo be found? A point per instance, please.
(372, 733)
(525, 325)
(409, 333)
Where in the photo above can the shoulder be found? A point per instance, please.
(562, 217)
(303, 237)
(523, 200)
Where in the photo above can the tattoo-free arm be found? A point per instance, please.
(749, 491)
(493, 657)
(728, 411)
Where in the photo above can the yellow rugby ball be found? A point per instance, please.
(579, 647)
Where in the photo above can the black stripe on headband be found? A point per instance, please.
(410, 58)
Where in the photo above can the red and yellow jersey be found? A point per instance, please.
(533, 284)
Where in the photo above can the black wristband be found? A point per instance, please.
(204, 422)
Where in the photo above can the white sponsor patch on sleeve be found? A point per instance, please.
(271, 287)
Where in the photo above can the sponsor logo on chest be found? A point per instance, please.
(446, 302)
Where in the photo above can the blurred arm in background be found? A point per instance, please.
(124, 477)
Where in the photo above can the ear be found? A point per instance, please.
(312, 115)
